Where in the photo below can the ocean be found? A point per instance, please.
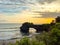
(12, 31)
(9, 30)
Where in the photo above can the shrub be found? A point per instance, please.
(45, 38)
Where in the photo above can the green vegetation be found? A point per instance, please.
(46, 38)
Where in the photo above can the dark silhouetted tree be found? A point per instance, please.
(58, 19)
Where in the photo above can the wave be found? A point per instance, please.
(11, 28)
(10, 31)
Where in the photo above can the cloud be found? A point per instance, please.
(23, 10)
(45, 1)
(49, 14)
(12, 6)
(17, 17)
(3, 21)
(50, 8)
(16, 6)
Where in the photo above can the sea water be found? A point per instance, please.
(12, 30)
(9, 30)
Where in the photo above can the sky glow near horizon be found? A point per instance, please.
(19, 11)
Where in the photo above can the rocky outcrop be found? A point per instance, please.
(39, 28)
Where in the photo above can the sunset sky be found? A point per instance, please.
(35, 11)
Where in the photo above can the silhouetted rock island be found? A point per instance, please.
(39, 28)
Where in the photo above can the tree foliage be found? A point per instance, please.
(45, 38)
